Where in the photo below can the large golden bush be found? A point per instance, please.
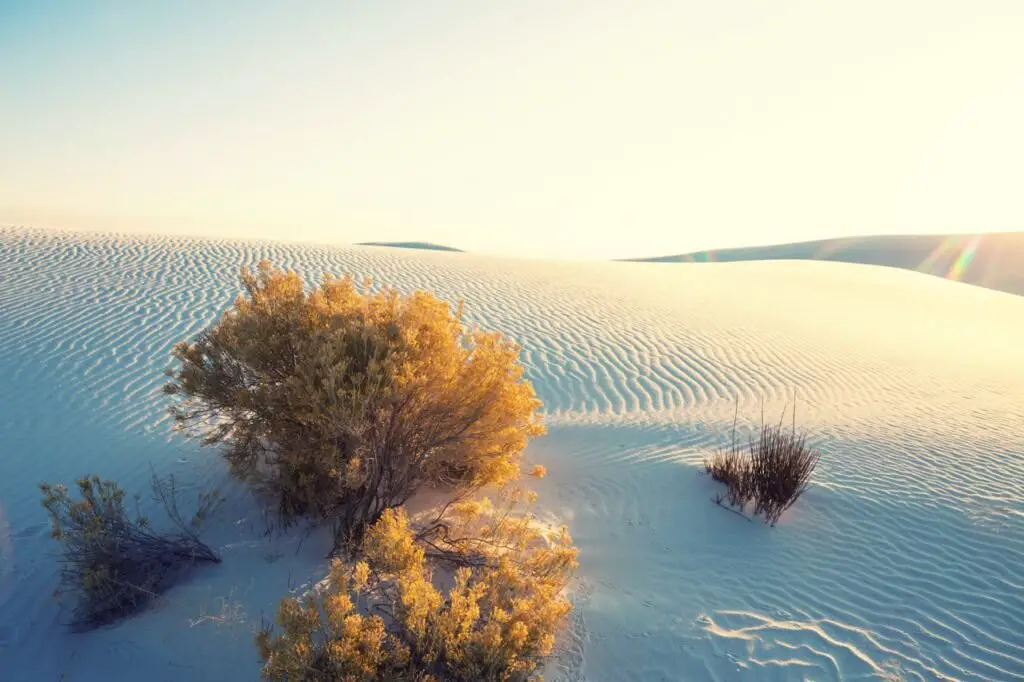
(342, 402)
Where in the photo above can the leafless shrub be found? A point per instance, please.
(770, 474)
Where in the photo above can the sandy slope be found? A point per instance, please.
(904, 561)
(993, 260)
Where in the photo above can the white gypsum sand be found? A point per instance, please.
(903, 561)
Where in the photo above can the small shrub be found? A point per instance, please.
(780, 468)
(771, 474)
(341, 403)
(383, 618)
(731, 467)
(112, 562)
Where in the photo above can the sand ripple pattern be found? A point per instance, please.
(904, 563)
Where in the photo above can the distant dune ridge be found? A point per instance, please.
(994, 260)
(427, 246)
(902, 561)
(991, 260)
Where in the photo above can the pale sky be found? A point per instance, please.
(584, 129)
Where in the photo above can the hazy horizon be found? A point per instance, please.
(128, 227)
(610, 130)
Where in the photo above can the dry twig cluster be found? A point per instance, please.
(770, 474)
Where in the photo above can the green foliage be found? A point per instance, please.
(112, 561)
(341, 403)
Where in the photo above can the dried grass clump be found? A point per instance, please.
(342, 402)
(113, 563)
(382, 618)
(770, 475)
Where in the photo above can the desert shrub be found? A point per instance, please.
(731, 467)
(112, 561)
(770, 475)
(341, 402)
(382, 618)
(781, 465)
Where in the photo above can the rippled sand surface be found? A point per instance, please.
(905, 560)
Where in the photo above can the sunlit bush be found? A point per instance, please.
(342, 402)
(112, 561)
(383, 618)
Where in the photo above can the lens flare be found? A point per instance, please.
(931, 263)
(964, 259)
(703, 257)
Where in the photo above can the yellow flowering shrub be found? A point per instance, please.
(342, 402)
(383, 618)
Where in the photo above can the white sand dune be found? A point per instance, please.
(993, 260)
(904, 561)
